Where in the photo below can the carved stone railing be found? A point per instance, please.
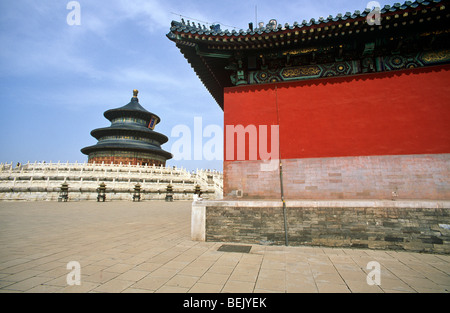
(42, 181)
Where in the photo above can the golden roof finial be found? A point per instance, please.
(135, 93)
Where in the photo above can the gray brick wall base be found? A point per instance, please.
(420, 226)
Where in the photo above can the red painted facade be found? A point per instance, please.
(392, 113)
(124, 160)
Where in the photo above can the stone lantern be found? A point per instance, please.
(101, 192)
(137, 192)
(64, 192)
(169, 193)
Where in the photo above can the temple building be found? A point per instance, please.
(361, 107)
(130, 139)
(347, 107)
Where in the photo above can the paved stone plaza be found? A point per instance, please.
(146, 247)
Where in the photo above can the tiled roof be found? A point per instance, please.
(129, 129)
(127, 146)
(127, 134)
(131, 109)
(193, 29)
(214, 53)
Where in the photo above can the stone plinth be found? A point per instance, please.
(376, 224)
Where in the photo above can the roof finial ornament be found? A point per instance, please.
(135, 94)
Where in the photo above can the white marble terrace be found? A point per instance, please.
(42, 181)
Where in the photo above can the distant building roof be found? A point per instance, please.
(133, 108)
(131, 130)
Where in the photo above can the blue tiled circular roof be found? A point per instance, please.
(129, 135)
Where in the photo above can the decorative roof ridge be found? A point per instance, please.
(182, 26)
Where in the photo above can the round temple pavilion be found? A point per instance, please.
(130, 139)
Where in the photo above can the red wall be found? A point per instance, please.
(395, 113)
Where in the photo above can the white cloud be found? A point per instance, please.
(151, 13)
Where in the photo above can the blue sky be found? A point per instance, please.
(56, 80)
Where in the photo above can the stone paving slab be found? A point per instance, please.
(146, 247)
